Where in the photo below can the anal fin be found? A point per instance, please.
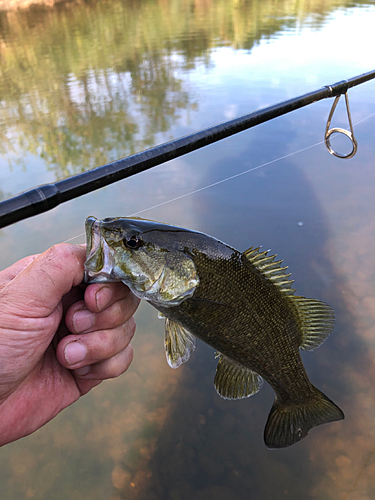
(179, 343)
(234, 381)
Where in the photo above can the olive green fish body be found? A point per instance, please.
(240, 304)
(260, 334)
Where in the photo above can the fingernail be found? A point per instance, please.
(83, 320)
(82, 371)
(74, 353)
(103, 297)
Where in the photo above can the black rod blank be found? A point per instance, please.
(48, 196)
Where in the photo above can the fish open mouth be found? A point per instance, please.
(99, 265)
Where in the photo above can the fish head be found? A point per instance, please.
(150, 257)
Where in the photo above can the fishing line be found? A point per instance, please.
(363, 119)
(239, 174)
(74, 237)
(226, 179)
(190, 193)
(208, 186)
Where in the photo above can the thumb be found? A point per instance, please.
(11, 272)
(38, 289)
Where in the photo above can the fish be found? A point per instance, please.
(241, 304)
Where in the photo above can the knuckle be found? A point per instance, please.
(130, 327)
(107, 343)
(59, 250)
(117, 312)
(117, 371)
(122, 361)
(104, 338)
(112, 367)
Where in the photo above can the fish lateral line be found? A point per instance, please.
(209, 301)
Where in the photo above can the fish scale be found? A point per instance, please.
(241, 304)
(265, 331)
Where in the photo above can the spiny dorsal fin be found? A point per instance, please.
(233, 381)
(270, 269)
(317, 320)
(178, 342)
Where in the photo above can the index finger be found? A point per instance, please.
(99, 296)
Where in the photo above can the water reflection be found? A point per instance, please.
(199, 447)
(83, 85)
(350, 251)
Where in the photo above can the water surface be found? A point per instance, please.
(85, 83)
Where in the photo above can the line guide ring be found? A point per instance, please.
(336, 130)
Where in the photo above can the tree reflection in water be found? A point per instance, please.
(85, 83)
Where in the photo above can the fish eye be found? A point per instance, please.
(133, 243)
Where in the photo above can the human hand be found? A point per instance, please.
(58, 339)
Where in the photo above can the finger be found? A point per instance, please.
(74, 296)
(76, 351)
(99, 296)
(11, 272)
(109, 368)
(84, 386)
(79, 319)
(55, 272)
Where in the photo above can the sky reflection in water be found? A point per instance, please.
(159, 433)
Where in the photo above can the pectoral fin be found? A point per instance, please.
(233, 381)
(178, 342)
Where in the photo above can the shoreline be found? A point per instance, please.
(14, 5)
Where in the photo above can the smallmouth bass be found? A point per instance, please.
(241, 304)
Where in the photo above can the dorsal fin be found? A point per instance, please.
(270, 269)
(316, 319)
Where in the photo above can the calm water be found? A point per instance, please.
(83, 84)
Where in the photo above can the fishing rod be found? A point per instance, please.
(47, 196)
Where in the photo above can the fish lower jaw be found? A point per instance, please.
(158, 300)
(100, 278)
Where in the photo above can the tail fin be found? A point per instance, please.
(287, 424)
